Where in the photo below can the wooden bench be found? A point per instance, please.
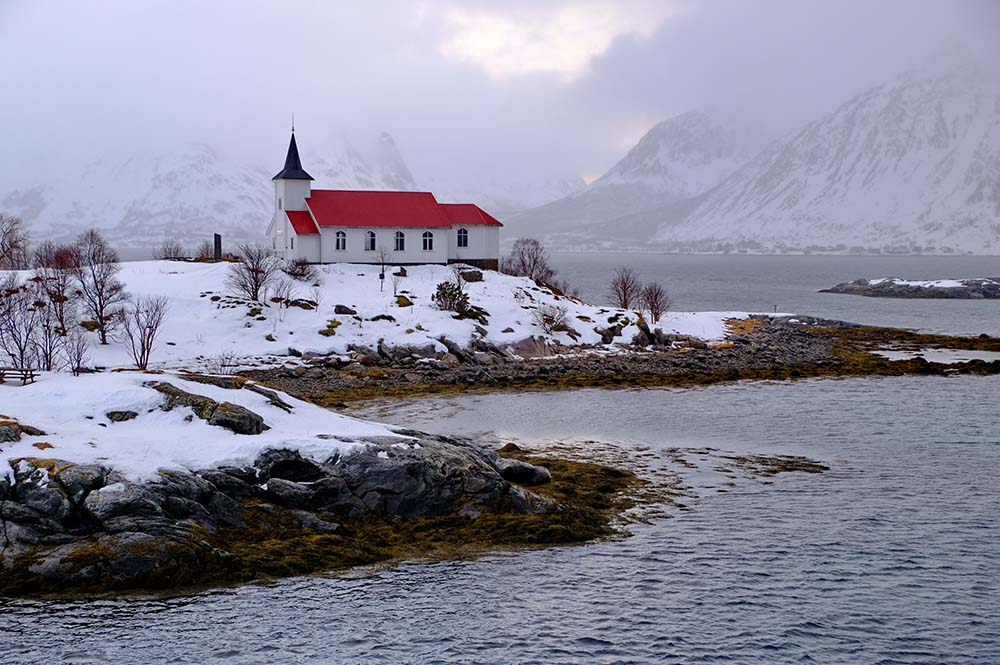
(26, 374)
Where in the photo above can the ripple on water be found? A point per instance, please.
(893, 556)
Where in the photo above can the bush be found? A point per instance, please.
(301, 270)
(451, 297)
(256, 271)
(550, 318)
(169, 250)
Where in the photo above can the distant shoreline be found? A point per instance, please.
(767, 348)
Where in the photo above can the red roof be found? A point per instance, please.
(464, 214)
(302, 222)
(337, 207)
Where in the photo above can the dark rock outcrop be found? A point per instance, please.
(234, 417)
(65, 525)
(969, 289)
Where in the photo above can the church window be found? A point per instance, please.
(428, 239)
(463, 238)
(341, 241)
(400, 241)
(370, 241)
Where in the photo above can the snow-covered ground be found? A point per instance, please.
(71, 410)
(944, 356)
(205, 321)
(928, 284)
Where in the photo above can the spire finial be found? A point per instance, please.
(293, 122)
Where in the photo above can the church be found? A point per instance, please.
(398, 228)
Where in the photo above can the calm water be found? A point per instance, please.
(790, 284)
(891, 557)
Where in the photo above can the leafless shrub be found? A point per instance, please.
(625, 288)
(564, 287)
(168, 250)
(141, 321)
(254, 273)
(225, 363)
(205, 251)
(101, 293)
(397, 279)
(654, 299)
(13, 243)
(301, 270)
(550, 318)
(76, 349)
(316, 295)
(282, 294)
(528, 258)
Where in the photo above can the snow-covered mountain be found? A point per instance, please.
(675, 160)
(903, 167)
(140, 198)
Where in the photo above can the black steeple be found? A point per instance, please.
(293, 165)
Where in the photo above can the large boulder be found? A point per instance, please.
(233, 417)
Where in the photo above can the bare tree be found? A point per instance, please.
(255, 272)
(55, 267)
(141, 322)
(13, 243)
(101, 293)
(76, 348)
(18, 321)
(169, 249)
(528, 258)
(396, 281)
(625, 288)
(47, 339)
(383, 255)
(654, 299)
(205, 251)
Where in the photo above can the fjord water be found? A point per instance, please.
(892, 556)
(792, 283)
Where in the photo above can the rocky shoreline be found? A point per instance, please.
(965, 289)
(761, 347)
(68, 527)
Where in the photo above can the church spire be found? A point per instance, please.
(293, 165)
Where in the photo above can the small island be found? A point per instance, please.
(983, 288)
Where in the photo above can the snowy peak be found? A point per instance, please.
(683, 156)
(910, 166)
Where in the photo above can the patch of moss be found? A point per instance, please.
(331, 328)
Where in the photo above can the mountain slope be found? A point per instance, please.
(910, 166)
(139, 198)
(677, 159)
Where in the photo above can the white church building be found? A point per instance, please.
(331, 225)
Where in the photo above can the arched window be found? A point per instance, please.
(341, 241)
(463, 238)
(370, 241)
(428, 239)
(400, 241)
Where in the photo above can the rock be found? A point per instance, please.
(508, 329)
(233, 417)
(295, 353)
(344, 310)
(383, 317)
(523, 473)
(311, 522)
(238, 419)
(121, 416)
(530, 347)
(403, 301)
(471, 275)
(10, 431)
(609, 334)
(287, 492)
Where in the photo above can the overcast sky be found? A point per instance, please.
(534, 87)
